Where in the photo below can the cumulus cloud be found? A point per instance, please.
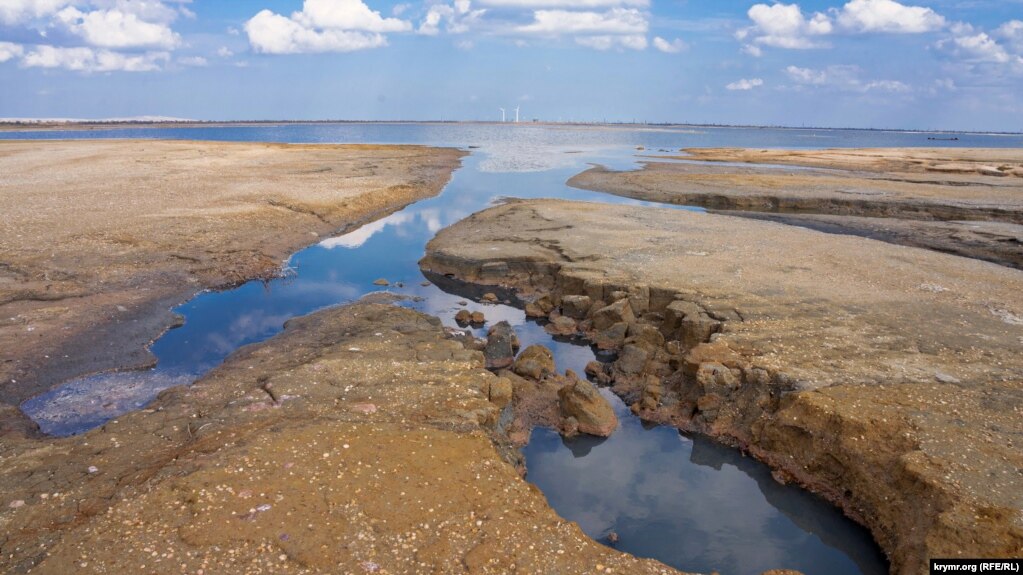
(673, 47)
(9, 51)
(569, 4)
(89, 60)
(745, 84)
(615, 21)
(117, 29)
(14, 12)
(807, 75)
(94, 33)
(888, 16)
(1012, 33)
(784, 26)
(322, 26)
(459, 16)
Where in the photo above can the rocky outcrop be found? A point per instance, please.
(379, 450)
(885, 379)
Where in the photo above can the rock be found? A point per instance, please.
(399, 284)
(579, 399)
(645, 336)
(540, 307)
(632, 360)
(570, 427)
(381, 282)
(535, 362)
(489, 297)
(463, 317)
(782, 572)
(365, 408)
(424, 284)
(618, 312)
(499, 391)
(715, 378)
(612, 337)
(477, 317)
(561, 326)
(575, 306)
(499, 352)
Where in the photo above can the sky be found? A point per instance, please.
(922, 64)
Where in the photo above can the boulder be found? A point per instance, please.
(575, 306)
(489, 297)
(463, 317)
(580, 400)
(535, 362)
(632, 360)
(612, 337)
(618, 312)
(499, 391)
(561, 325)
(477, 317)
(540, 307)
(500, 350)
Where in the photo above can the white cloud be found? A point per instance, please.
(673, 47)
(117, 29)
(1012, 33)
(745, 84)
(888, 16)
(322, 26)
(90, 60)
(785, 26)
(20, 11)
(887, 86)
(10, 51)
(224, 52)
(843, 78)
(460, 17)
(615, 21)
(570, 4)
(271, 33)
(807, 75)
(195, 61)
(979, 47)
(632, 42)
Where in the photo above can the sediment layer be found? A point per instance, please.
(93, 254)
(887, 379)
(931, 195)
(360, 440)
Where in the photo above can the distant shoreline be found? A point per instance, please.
(61, 126)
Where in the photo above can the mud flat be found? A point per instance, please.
(100, 238)
(887, 379)
(929, 198)
(360, 440)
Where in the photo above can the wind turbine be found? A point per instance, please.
(516, 114)
(502, 114)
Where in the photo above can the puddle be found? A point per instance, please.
(681, 500)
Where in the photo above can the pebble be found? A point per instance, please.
(17, 503)
(382, 282)
(93, 469)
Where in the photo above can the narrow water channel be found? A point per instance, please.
(683, 500)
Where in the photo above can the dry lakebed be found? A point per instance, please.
(885, 376)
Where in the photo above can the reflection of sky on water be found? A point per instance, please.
(688, 503)
(693, 504)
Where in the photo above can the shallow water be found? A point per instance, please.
(684, 501)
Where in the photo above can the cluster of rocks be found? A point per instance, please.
(651, 345)
(538, 394)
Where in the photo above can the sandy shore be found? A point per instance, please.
(100, 238)
(927, 198)
(888, 379)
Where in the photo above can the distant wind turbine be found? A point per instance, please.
(516, 114)
(502, 114)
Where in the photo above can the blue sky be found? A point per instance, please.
(932, 64)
